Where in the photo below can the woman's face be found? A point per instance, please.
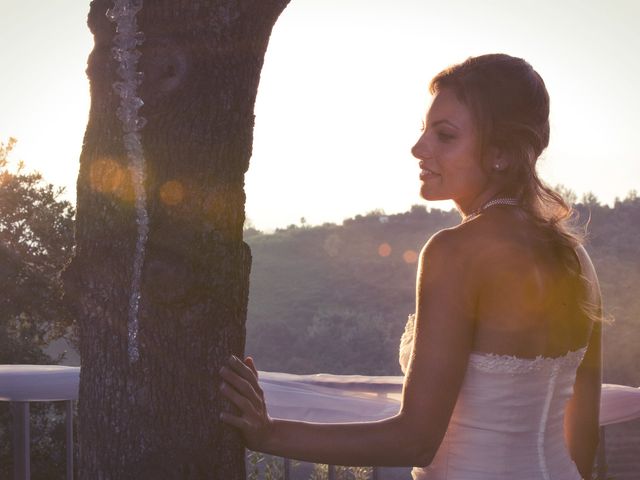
(448, 150)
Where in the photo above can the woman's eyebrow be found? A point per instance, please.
(438, 122)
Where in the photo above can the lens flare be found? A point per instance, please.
(384, 250)
(172, 193)
(410, 256)
(106, 175)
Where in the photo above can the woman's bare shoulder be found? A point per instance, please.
(460, 236)
(450, 256)
(472, 242)
(446, 245)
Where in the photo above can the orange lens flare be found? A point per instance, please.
(106, 175)
(410, 256)
(384, 250)
(172, 193)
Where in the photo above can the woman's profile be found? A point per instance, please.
(502, 359)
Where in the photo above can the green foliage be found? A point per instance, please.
(569, 195)
(589, 199)
(266, 467)
(36, 242)
(48, 451)
(321, 472)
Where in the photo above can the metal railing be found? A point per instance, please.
(331, 471)
(22, 384)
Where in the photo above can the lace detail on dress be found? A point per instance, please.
(491, 362)
(406, 343)
(494, 363)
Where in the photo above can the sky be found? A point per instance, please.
(343, 92)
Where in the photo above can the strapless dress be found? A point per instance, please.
(508, 420)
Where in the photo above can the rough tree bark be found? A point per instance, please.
(157, 417)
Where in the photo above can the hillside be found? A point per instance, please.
(334, 298)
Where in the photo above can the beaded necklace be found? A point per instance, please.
(492, 203)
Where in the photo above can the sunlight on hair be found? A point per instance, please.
(106, 175)
(410, 256)
(384, 250)
(172, 192)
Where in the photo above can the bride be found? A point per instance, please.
(504, 372)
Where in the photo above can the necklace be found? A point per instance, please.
(491, 203)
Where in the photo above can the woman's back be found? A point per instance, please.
(530, 337)
(528, 304)
(508, 421)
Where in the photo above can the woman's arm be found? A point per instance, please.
(388, 442)
(443, 337)
(583, 409)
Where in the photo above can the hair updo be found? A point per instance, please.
(509, 104)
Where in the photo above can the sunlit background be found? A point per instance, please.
(343, 91)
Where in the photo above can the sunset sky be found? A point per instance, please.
(343, 91)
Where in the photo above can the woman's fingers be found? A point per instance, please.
(245, 372)
(233, 420)
(242, 386)
(249, 362)
(239, 400)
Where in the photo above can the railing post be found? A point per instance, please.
(287, 469)
(601, 457)
(21, 447)
(69, 436)
(331, 472)
(374, 473)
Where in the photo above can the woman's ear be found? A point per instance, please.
(497, 160)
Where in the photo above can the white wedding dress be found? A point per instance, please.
(508, 419)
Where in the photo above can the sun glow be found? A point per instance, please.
(339, 104)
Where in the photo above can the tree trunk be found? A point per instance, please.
(155, 414)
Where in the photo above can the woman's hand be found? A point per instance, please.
(240, 386)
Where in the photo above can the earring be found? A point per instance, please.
(497, 166)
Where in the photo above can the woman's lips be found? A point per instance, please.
(426, 174)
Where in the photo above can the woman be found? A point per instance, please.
(504, 375)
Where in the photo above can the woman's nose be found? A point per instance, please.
(420, 150)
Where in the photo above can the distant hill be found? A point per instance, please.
(335, 298)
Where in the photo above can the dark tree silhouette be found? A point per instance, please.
(36, 241)
(157, 416)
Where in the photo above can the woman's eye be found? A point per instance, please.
(445, 137)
